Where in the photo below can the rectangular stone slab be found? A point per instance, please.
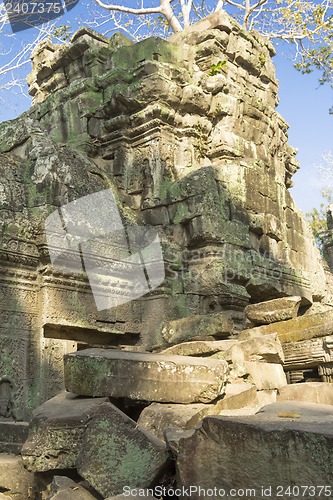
(274, 310)
(144, 376)
(295, 330)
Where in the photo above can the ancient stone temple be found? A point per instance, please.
(186, 135)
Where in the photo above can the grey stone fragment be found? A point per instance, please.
(64, 488)
(145, 376)
(200, 347)
(56, 432)
(284, 444)
(173, 436)
(61, 483)
(158, 417)
(267, 349)
(219, 324)
(116, 453)
(273, 310)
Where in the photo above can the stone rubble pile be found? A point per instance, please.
(205, 413)
(285, 444)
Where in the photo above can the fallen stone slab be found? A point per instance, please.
(56, 432)
(307, 392)
(217, 325)
(145, 376)
(234, 390)
(265, 375)
(15, 481)
(158, 417)
(82, 333)
(274, 310)
(116, 453)
(200, 347)
(285, 444)
(295, 330)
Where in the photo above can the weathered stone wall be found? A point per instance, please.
(186, 134)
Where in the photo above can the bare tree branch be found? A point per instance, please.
(130, 10)
(307, 24)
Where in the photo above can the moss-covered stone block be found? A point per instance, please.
(153, 49)
(56, 432)
(116, 453)
(144, 376)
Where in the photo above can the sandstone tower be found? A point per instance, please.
(186, 134)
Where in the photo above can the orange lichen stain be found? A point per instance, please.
(289, 415)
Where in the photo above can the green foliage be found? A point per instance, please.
(317, 219)
(315, 51)
(217, 68)
(317, 222)
(62, 32)
(262, 59)
(307, 25)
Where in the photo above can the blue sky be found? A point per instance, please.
(303, 103)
